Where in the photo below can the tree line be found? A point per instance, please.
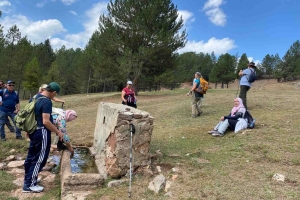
(138, 41)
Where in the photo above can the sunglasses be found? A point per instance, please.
(11, 85)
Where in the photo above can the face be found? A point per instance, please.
(129, 85)
(52, 94)
(236, 102)
(10, 86)
(1, 84)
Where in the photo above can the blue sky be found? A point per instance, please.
(254, 27)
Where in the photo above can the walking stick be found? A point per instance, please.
(132, 131)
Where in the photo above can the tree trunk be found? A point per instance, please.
(88, 85)
(135, 86)
(216, 85)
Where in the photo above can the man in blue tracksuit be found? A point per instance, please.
(40, 139)
(10, 106)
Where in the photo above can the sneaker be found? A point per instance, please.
(19, 138)
(211, 132)
(3, 139)
(35, 189)
(200, 113)
(217, 134)
(12, 131)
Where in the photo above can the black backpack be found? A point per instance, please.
(250, 120)
(252, 76)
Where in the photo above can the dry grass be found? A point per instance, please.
(236, 166)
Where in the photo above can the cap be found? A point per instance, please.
(54, 86)
(10, 81)
(129, 82)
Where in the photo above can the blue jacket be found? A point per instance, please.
(9, 100)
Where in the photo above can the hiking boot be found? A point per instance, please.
(194, 116)
(19, 138)
(34, 189)
(217, 134)
(211, 132)
(3, 139)
(12, 130)
(200, 112)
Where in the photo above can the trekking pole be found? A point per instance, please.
(132, 131)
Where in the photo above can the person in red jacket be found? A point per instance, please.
(128, 95)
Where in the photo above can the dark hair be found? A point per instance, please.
(1, 81)
(48, 89)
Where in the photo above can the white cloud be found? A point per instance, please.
(219, 46)
(37, 31)
(57, 43)
(68, 2)
(5, 6)
(41, 4)
(73, 12)
(90, 25)
(251, 59)
(214, 13)
(187, 18)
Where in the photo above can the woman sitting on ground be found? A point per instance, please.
(236, 116)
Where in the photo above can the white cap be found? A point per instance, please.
(129, 82)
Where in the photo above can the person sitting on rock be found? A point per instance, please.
(236, 116)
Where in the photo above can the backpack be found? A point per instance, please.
(203, 87)
(250, 120)
(25, 118)
(252, 76)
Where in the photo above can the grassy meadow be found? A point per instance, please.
(236, 166)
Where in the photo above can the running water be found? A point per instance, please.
(83, 162)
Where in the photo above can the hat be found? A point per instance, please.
(10, 81)
(129, 82)
(70, 115)
(199, 74)
(252, 64)
(54, 86)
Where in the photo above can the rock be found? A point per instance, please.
(115, 183)
(2, 166)
(17, 171)
(10, 158)
(174, 177)
(168, 185)
(169, 194)
(12, 151)
(157, 184)
(175, 169)
(158, 169)
(159, 153)
(50, 178)
(19, 182)
(279, 177)
(14, 164)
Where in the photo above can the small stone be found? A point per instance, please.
(279, 177)
(50, 178)
(19, 182)
(10, 158)
(168, 185)
(169, 194)
(158, 152)
(158, 169)
(175, 169)
(174, 177)
(2, 166)
(12, 151)
(115, 183)
(157, 184)
(14, 164)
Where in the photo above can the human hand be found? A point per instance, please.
(61, 136)
(222, 118)
(16, 111)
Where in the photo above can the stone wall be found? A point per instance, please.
(112, 138)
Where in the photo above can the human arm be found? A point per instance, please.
(241, 73)
(123, 96)
(17, 108)
(236, 116)
(58, 100)
(50, 126)
(193, 88)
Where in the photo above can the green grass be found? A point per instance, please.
(237, 166)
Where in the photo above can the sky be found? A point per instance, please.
(254, 27)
